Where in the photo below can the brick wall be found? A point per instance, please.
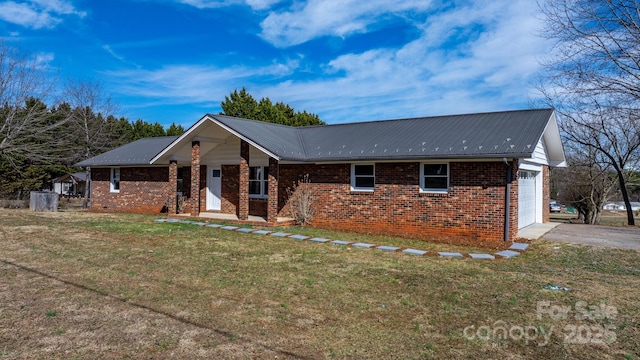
(142, 190)
(546, 195)
(230, 189)
(471, 212)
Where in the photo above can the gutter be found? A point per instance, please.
(507, 200)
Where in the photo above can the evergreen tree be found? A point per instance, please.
(241, 104)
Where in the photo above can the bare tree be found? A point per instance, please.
(586, 185)
(300, 199)
(88, 102)
(28, 129)
(593, 78)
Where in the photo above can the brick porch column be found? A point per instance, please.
(195, 178)
(272, 201)
(173, 185)
(243, 206)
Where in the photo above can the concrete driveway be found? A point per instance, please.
(596, 235)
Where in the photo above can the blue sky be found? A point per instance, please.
(345, 60)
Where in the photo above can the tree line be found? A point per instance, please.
(40, 142)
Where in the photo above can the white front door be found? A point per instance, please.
(214, 188)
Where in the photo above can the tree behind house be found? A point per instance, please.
(242, 105)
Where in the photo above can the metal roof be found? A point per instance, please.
(281, 140)
(139, 152)
(512, 134)
(498, 134)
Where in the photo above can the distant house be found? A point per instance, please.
(72, 185)
(475, 177)
(620, 206)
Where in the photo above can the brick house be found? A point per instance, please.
(475, 177)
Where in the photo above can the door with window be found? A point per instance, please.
(214, 188)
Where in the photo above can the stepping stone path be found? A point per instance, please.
(451, 254)
(363, 245)
(514, 250)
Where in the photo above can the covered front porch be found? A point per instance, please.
(215, 173)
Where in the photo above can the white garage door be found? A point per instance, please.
(526, 198)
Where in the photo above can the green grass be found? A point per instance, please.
(132, 288)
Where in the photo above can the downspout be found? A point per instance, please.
(507, 201)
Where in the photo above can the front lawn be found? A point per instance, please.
(84, 285)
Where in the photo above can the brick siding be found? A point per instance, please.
(471, 212)
(142, 190)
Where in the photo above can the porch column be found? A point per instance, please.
(272, 204)
(195, 178)
(243, 206)
(173, 185)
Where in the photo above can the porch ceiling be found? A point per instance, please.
(208, 133)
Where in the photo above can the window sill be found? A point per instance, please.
(362, 190)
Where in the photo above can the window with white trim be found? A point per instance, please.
(115, 180)
(258, 181)
(434, 177)
(363, 177)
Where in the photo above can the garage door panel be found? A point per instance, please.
(526, 198)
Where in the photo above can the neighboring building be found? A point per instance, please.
(434, 178)
(71, 185)
(620, 206)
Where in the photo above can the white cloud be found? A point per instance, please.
(37, 14)
(210, 4)
(482, 71)
(476, 57)
(180, 84)
(330, 17)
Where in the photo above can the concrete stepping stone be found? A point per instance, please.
(388, 248)
(261, 232)
(160, 220)
(450, 254)
(172, 220)
(299, 237)
(319, 240)
(340, 242)
(507, 253)
(199, 223)
(518, 246)
(229, 227)
(363, 245)
(185, 222)
(280, 234)
(482, 256)
(245, 230)
(214, 226)
(414, 252)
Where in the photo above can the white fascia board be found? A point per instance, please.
(530, 166)
(553, 142)
(242, 137)
(179, 139)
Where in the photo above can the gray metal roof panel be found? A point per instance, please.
(139, 152)
(283, 141)
(498, 134)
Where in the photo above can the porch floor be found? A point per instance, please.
(234, 217)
